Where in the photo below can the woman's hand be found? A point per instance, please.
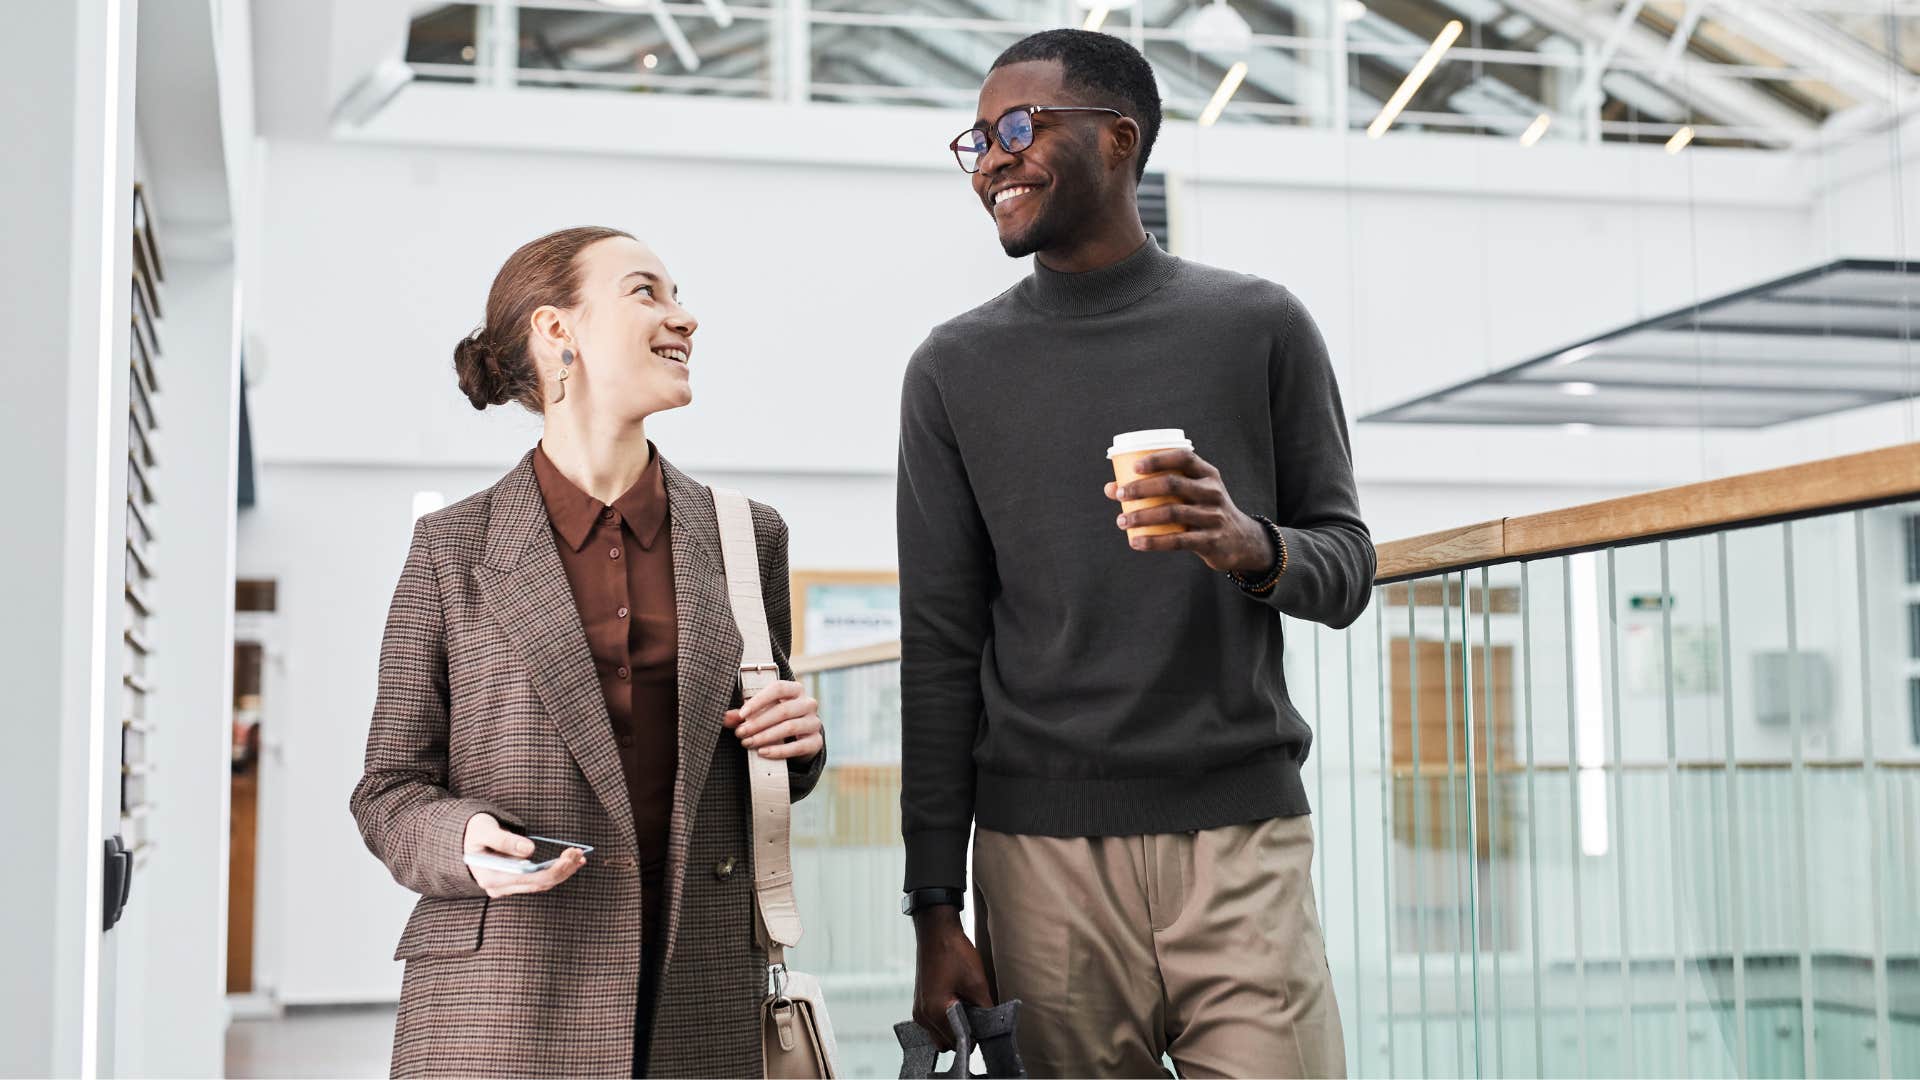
(486, 837)
(781, 722)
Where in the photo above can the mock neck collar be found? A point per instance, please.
(1109, 288)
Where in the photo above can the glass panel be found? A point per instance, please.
(848, 864)
(1620, 854)
(1459, 898)
(1893, 35)
(1666, 359)
(1763, 733)
(678, 49)
(1559, 882)
(1506, 1034)
(1370, 809)
(1384, 673)
(1335, 679)
(1415, 878)
(1840, 317)
(1650, 406)
(903, 65)
(1278, 86)
(445, 37)
(1890, 750)
(1841, 836)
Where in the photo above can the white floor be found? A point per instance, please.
(352, 1041)
(314, 1041)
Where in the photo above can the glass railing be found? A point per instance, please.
(1328, 63)
(848, 860)
(1637, 795)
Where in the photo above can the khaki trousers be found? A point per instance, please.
(1204, 947)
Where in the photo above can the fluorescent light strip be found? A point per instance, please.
(1536, 129)
(1388, 113)
(1680, 140)
(1228, 84)
(1096, 18)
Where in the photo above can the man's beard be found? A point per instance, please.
(1068, 211)
(1046, 232)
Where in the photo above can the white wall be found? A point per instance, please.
(812, 285)
(1865, 192)
(1865, 204)
(815, 282)
(181, 1001)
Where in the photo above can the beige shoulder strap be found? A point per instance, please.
(779, 922)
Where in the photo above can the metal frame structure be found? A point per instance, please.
(1835, 337)
(1764, 73)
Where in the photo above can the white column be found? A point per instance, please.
(1338, 71)
(1313, 86)
(64, 278)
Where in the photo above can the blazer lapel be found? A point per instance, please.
(522, 581)
(708, 667)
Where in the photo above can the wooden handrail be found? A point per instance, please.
(847, 658)
(1875, 476)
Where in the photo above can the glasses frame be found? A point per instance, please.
(992, 132)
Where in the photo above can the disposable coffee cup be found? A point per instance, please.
(1130, 447)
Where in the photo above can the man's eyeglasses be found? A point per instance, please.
(1014, 130)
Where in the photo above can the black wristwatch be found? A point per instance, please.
(918, 899)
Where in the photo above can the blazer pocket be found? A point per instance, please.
(443, 926)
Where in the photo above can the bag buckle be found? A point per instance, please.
(746, 669)
(777, 981)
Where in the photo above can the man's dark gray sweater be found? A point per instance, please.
(1054, 681)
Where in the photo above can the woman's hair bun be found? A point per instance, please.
(481, 378)
(494, 363)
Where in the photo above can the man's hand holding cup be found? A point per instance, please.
(1172, 499)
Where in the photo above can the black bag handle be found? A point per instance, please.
(994, 1030)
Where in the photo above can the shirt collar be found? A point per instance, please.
(574, 512)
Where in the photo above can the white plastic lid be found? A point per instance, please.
(1132, 442)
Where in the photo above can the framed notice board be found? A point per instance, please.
(844, 609)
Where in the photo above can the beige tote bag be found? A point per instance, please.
(795, 1034)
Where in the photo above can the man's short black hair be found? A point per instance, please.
(1103, 66)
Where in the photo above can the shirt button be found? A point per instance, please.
(622, 672)
(626, 740)
(606, 513)
(622, 613)
(613, 553)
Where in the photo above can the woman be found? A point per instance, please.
(561, 661)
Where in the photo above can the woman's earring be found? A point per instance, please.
(566, 360)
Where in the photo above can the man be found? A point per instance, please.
(1112, 714)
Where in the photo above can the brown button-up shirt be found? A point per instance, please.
(619, 561)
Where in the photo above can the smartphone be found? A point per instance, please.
(546, 852)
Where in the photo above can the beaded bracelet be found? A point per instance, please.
(1265, 584)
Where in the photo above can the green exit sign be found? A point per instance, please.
(1650, 602)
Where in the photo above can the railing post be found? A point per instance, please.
(499, 43)
(796, 52)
